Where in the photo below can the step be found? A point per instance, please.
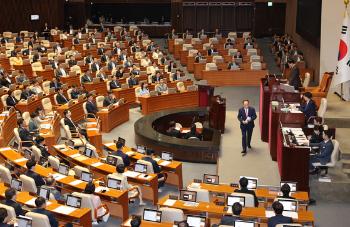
(346, 163)
(347, 172)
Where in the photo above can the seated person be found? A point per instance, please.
(198, 57)
(60, 97)
(193, 133)
(172, 131)
(133, 81)
(74, 128)
(238, 55)
(40, 204)
(10, 200)
(60, 71)
(5, 80)
(40, 143)
(125, 185)
(243, 182)
(162, 88)
(95, 66)
(135, 221)
(285, 189)
(230, 219)
(51, 185)
(278, 218)
(102, 75)
(96, 201)
(144, 89)
(324, 154)
(55, 83)
(109, 99)
(86, 78)
(26, 93)
(24, 134)
(91, 107)
(309, 108)
(21, 77)
(177, 75)
(75, 92)
(316, 138)
(233, 65)
(156, 168)
(114, 84)
(39, 181)
(119, 73)
(120, 153)
(72, 61)
(229, 44)
(212, 50)
(157, 77)
(11, 100)
(33, 125)
(3, 216)
(36, 88)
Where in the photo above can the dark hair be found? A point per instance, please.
(317, 127)
(149, 151)
(33, 114)
(50, 181)
(172, 124)
(10, 193)
(291, 61)
(236, 208)
(327, 133)
(277, 207)
(285, 189)
(119, 145)
(40, 201)
(120, 168)
(243, 182)
(183, 224)
(39, 139)
(65, 112)
(318, 119)
(245, 100)
(89, 188)
(193, 129)
(308, 95)
(135, 221)
(30, 163)
(3, 214)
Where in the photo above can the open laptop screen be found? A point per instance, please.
(289, 204)
(114, 183)
(292, 185)
(195, 221)
(141, 168)
(252, 182)
(152, 215)
(231, 199)
(186, 195)
(73, 201)
(211, 179)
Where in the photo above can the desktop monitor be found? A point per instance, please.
(73, 201)
(16, 184)
(241, 223)
(231, 199)
(152, 215)
(86, 176)
(141, 168)
(292, 185)
(23, 221)
(114, 183)
(112, 160)
(34, 17)
(44, 192)
(289, 204)
(88, 152)
(196, 221)
(211, 179)
(141, 149)
(252, 182)
(167, 156)
(63, 169)
(186, 195)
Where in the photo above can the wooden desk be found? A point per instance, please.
(82, 216)
(174, 169)
(30, 106)
(94, 134)
(128, 94)
(169, 101)
(171, 45)
(71, 80)
(52, 134)
(149, 185)
(9, 122)
(100, 87)
(76, 109)
(114, 117)
(148, 224)
(46, 74)
(234, 78)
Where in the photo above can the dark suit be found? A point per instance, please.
(52, 219)
(247, 129)
(39, 181)
(316, 138)
(278, 219)
(174, 133)
(54, 64)
(211, 51)
(11, 101)
(156, 169)
(24, 134)
(16, 206)
(133, 82)
(26, 94)
(59, 73)
(26, 52)
(86, 79)
(114, 85)
(75, 94)
(72, 62)
(309, 109)
(124, 156)
(74, 128)
(44, 151)
(251, 192)
(228, 220)
(111, 65)
(108, 101)
(324, 155)
(88, 60)
(100, 51)
(94, 67)
(91, 107)
(104, 58)
(294, 78)
(156, 79)
(76, 41)
(61, 99)
(55, 84)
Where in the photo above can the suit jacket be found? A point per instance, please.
(52, 219)
(309, 109)
(33, 126)
(61, 99)
(71, 124)
(39, 181)
(25, 52)
(16, 206)
(229, 220)
(11, 101)
(108, 101)
(54, 64)
(316, 138)
(24, 134)
(94, 67)
(133, 82)
(124, 156)
(278, 219)
(101, 76)
(88, 60)
(104, 58)
(326, 150)
(59, 73)
(5, 225)
(91, 107)
(76, 41)
(242, 117)
(174, 133)
(55, 85)
(251, 192)
(111, 65)
(100, 51)
(156, 79)
(156, 167)
(72, 63)
(211, 51)
(86, 79)
(114, 84)
(75, 94)
(294, 78)
(26, 94)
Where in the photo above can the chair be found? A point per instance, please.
(37, 66)
(79, 169)
(11, 214)
(213, 40)
(198, 125)
(39, 219)
(28, 184)
(252, 51)
(46, 103)
(26, 117)
(171, 215)
(76, 69)
(232, 52)
(333, 161)
(99, 101)
(137, 94)
(211, 67)
(321, 110)
(17, 94)
(306, 80)
(36, 152)
(196, 41)
(77, 140)
(187, 47)
(202, 194)
(192, 52)
(255, 66)
(69, 93)
(180, 86)
(46, 87)
(178, 126)
(3, 100)
(218, 59)
(255, 58)
(54, 162)
(322, 90)
(232, 35)
(206, 46)
(5, 175)
(19, 141)
(178, 41)
(87, 115)
(249, 199)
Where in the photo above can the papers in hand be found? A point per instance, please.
(64, 210)
(169, 202)
(131, 174)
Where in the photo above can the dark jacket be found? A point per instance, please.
(55, 84)
(86, 79)
(124, 156)
(91, 107)
(16, 206)
(309, 109)
(279, 219)
(24, 134)
(61, 99)
(39, 181)
(114, 84)
(108, 101)
(326, 150)
(156, 167)
(242, 117)
(247, 191)
(52, 219)
(11, 101)
(133, 82)
(294, 78)
(71, 124)
(228, 220)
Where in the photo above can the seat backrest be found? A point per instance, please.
(37, 66)
(322, 108)
(17, 94)
(76, 69)
(171, 215)
(180, 86)
(206, 46)
(17, 138)
(39, 219)
(3, 100)
(78, 169)
(84, 108)
(178, 41)
(55, 99)
(99, 101)
(26, 117)
(232, 52)
(255, 66)
(306, 80)
(36, 152)
(54, 162)
(232, 35)
(325, 82)
(5, 175)
(192, 52)
(137, 91)
(67, 131)
(46, 86)
(202, 194)
(46, 102)
(149, 165)
(335, 153)
(255, 58)
(86, 202)
(69, 93)
(11, 214)
(249, 199)
(28, 184)
(252, 51)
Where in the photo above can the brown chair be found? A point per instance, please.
(322, 90)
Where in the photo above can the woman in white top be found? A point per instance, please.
(96, 201)
(144, 89)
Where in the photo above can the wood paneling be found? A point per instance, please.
(269, 20)
(215, 17)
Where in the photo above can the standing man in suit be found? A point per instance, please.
(278, 218)
(324, 155)
(294, 76)
(40, 204)
(91, 106)
(246, 116)
(309, 107)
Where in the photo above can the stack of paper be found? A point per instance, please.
(169, 202)
(131, 174)
(164, 163)
(64, 210)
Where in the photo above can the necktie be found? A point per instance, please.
(246, 112)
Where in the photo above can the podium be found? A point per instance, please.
(217, 113)
(205, 95)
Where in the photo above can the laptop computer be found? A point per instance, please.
(292, 185)
(196, 221)
(167, 156)
(23, 221)
(16, 184)
(252, 182)
(73, 201)
(63, 169)
(141, 168)
(141, 149)
(111, 160)
(190, 196)
(88, 152)
(289, 204)
(231, 199)
(86, 176)
(211, 179)
(44, 192)
(152, 215)
(114, 183)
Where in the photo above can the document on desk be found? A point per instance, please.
(20, 160)
(164, 163)
(97, 164)
(130, 153)
(143, 176)
(75, 155)
(31, 202)
(100, 189)
(81, 158)
(76, 182)
(291, 214)
(5, 149)
(58, 176)
(45, 126)
(131, 174)
(109, 144)
(92, 129)
(64, 210)
(169, 202)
